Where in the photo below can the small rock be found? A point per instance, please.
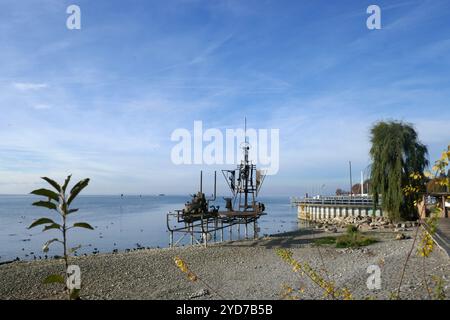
(198, 294)
(400, 236)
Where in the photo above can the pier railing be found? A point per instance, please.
(335, 200)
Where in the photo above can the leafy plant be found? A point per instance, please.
(60, 201)
(439, 290)
(440, 174)
(182, 265)
(426, 245)
(304, 269)
(396, 153)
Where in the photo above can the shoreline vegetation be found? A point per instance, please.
(244, 269)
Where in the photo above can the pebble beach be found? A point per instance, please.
(246, 269)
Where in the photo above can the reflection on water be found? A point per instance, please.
(120, 223)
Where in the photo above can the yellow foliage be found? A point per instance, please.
(184, 268)
(426, 245)
(328, 287)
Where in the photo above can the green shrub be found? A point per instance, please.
(353, 241)
(325, 241)
(352, 229)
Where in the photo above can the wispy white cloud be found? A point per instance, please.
(27, 86)
(42, 106)
(213, 47)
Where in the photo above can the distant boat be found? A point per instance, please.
(161, 195)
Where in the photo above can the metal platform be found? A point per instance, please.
(204, 222)
(208, 228)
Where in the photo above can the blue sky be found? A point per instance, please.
(102, 102)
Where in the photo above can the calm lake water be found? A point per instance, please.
(120, 223)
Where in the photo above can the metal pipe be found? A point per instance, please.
(239, 230)
(246, 230)
(215, 185)
(216, 226)
(207, 232)
(201, 181)
(351, 183)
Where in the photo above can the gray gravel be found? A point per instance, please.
(236, 270)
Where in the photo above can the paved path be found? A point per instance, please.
(442, 235)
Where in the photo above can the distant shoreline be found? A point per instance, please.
(186, 195)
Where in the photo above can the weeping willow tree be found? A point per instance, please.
(396, 154)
